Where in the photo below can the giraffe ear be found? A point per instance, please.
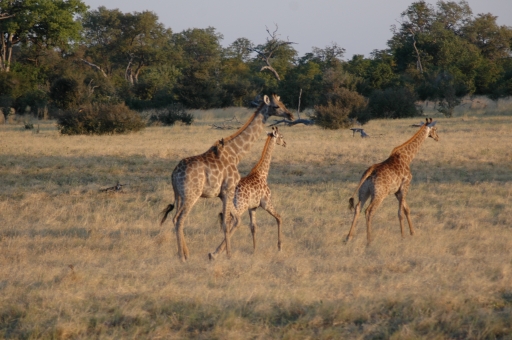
(266, 99)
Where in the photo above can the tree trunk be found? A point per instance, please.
(6, 52)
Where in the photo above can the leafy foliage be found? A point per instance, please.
(171, 114)
(99, 119)
(392, 103)
(65, 93)
(65, 57)
(340, 106)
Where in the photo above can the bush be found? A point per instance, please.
(340, 105)
(171, 114)
(393, 103)
(100, 119)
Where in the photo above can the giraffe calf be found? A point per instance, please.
(252, 192)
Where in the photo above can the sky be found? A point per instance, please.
(359, 26)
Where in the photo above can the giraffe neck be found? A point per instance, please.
(409, 149)
(263, 165)
(241, 141)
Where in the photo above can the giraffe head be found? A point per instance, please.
(279, 137)
(274, 107)
(432, 129)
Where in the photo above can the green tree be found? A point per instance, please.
(200, 64)
(129, 42)
(235, 75)
(38, 24)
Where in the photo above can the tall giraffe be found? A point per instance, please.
(215, 173)
(252, 192)
(392, 175)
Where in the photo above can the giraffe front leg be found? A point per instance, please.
(222, 246)
(267, 205)
(408, 215)
(405, 206)
(227, 208)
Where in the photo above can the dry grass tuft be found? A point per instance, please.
(80, 263)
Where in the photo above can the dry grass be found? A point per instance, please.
(79, 263)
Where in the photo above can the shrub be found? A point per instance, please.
(340, 105)
(393, 103)
(100, 119)
(171, 114)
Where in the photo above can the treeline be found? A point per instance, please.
(57, 55)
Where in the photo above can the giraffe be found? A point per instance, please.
(215, 173)
(252, 192)
(392, 175)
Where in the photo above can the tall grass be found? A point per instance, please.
(79, 263)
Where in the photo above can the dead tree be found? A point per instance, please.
(266, 51)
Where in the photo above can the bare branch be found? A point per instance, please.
(265, 53)
(271, 69)
(418, 62)
(95, 66)
(293, 122)
(6, 16)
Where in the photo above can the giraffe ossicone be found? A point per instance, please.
(392, 175)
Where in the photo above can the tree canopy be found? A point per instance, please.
(60, 54)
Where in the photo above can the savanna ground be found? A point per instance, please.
(79, 263)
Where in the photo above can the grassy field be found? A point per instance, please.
(76, 262)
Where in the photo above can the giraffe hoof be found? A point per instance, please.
(211, 256)
(348, 239)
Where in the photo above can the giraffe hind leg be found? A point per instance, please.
(370, 211)
(180, 217)
(363, 197)
(252, 225)
(400, 199)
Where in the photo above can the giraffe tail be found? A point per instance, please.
(351, 203)
(166, 212)
(366, 174)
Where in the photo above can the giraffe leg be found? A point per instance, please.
(227, 208)
(267, 205)
(356, 215)
(408, 215)
(222, 246)
(399, 197)
(252, 225)
(357, 210)
(370, 211)
(405, 207)
(184, 205)
(180, 237)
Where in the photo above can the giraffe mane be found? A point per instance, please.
(409, 140)
(249, 121)
(265, 148)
